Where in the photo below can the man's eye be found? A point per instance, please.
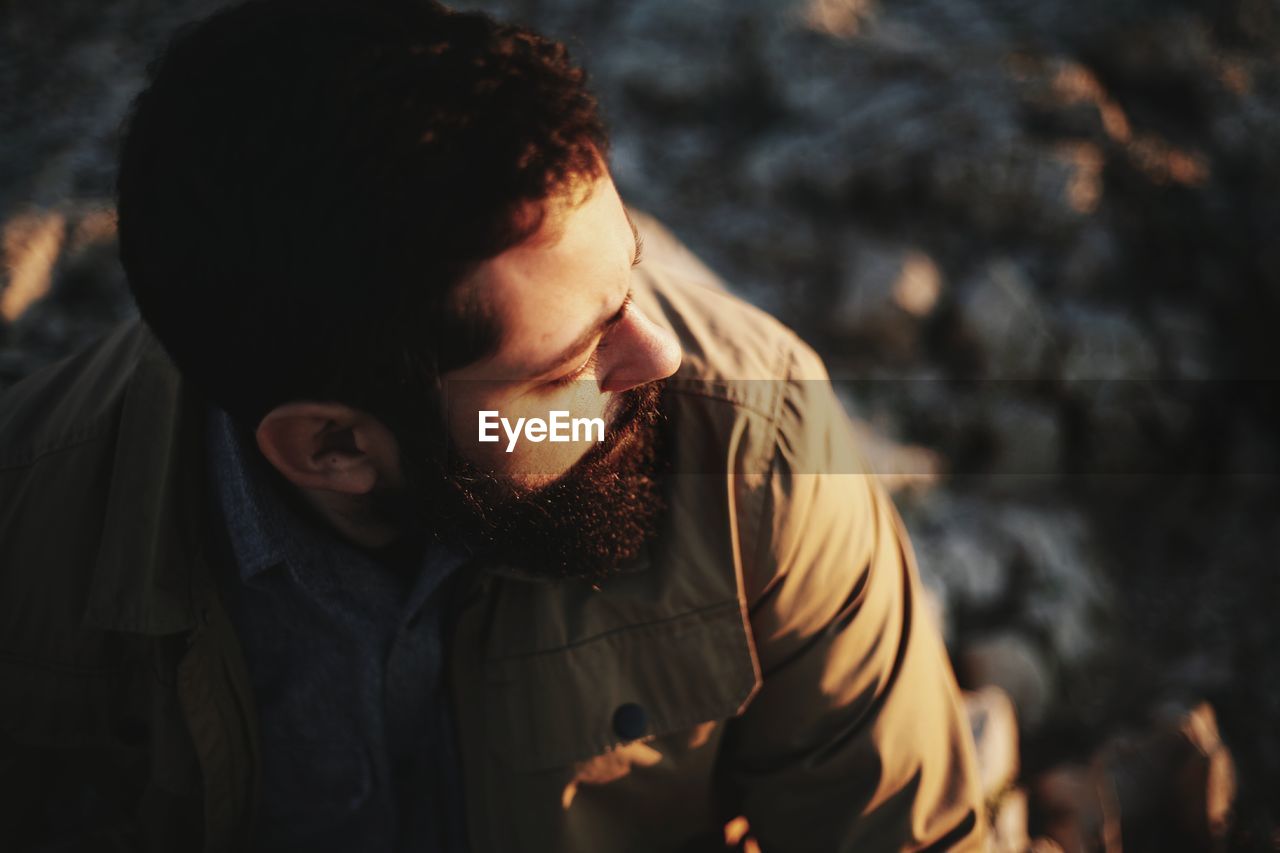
(588, 365)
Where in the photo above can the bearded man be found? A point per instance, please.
(265, 582)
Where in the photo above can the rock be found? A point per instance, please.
(918, 285)
(659, 240)
(1069, 96)
(30, 245)
(1074, 810)
(1253, 454)
(1027, 444)
(995, 737)
(839, 18)
(1175, 784)
(1104, 345)
(865, 120)
(1009, 824)
(1044, 845)
(999, 311)
(971, 560)
(779, 249)
(1067, 593)
(665, 72)
(1090, 264)
(898, 466)
(1010, 661)
(995, 734)
(1170, 788)
(1120, 417)
(886, 292)
(937, 603)
(1186, 342)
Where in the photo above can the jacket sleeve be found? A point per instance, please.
(857, 739)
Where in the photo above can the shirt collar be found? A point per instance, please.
(255, 518)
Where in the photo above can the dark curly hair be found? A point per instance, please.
(303, 182)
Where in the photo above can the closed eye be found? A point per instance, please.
(589, 365)
(603, 332)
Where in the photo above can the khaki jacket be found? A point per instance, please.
(774, 637)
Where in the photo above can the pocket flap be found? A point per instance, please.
(552, 709)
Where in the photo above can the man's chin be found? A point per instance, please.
(584, 523)
(536, 481)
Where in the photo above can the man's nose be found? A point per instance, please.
(642, 352)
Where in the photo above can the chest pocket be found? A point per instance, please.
(608, 744)
(568, 706)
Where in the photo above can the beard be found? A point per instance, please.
(588, 523)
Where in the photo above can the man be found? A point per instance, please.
(419, 514)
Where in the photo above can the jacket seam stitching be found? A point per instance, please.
(78, 439)
(631, 628)
(766, 502)
(689, 392)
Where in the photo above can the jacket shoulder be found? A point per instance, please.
(732, 350)
(73, 400)
(63, 499)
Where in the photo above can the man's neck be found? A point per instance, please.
(352, 517)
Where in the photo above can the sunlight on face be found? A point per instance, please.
(571, 339)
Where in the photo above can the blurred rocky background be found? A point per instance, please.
(1038, 243)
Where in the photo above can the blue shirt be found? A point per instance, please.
(346, 655)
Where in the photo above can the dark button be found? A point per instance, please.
(630, 721)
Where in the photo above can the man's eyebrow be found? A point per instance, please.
(583, 340)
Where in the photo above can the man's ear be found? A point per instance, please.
(329, 447)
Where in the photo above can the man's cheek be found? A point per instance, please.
(530, 445)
